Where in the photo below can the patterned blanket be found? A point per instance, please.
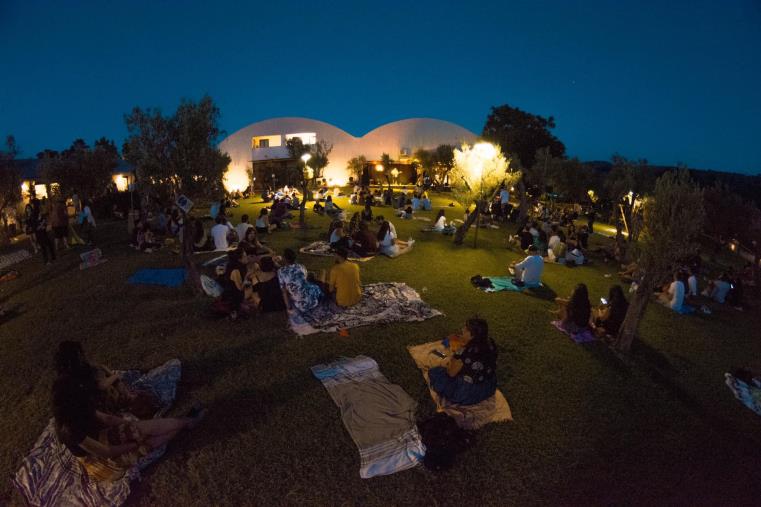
(323, 249)
(470, 417)
(381, 303)
(379, 415)
(13, 258)
(51, 475)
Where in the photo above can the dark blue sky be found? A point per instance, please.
(667, 81)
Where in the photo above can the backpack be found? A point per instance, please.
(443, 440)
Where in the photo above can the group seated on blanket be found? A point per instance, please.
(470, 375)
(440, 224)
(248, 287)
(87, 403)
(300, 291)
(143, 238)
(344, 283)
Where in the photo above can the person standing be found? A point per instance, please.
(87, 221)
(591, 220)
(40, 227)
(59, 223)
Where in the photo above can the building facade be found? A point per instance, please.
(259, 150)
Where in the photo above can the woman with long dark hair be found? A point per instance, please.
(233, 281)
(576, 310)
(609, 316)
(470, 376)
(388, 242)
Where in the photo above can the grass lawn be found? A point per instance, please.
(590, 428)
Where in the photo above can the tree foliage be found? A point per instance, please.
(521, 134)
(673, 220)
(178, 153)
(356, 166)
(319, 160)
(81, 168)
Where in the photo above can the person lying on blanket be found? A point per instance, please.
(110, 394)
(528, 272)
(343, 281)
(298, 292)
(574, 312)
(470, 376)
(105, 444)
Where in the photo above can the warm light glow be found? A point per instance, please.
(479, 165)
(379, 168)
(305, 157)
(40, 191)
(236, 179)
(485, 150)
(121, 182)
(25, 187)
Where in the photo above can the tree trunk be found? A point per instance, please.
(303, 205)
(637, 306)
(194, 278)
(523, 206)
(462, 230)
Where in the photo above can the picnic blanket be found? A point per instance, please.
(470, 417)
(323, 249)
(381, 303)
(165, 277)
(747, 394)
(13, 258)
(51, 475)
(379, 415)
(500, 283)
(583, 336)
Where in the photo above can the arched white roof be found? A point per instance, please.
(404, 135)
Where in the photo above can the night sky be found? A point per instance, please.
(667, 81)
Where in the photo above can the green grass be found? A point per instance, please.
(590, 428)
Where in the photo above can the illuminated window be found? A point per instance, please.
(306, 137)
(265, 141)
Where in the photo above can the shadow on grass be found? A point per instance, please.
(544, 292)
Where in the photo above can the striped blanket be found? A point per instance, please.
(381, 303)
(51, 475)
(379, 415)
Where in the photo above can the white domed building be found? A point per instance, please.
(259, 150)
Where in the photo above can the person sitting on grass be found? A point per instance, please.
(527, 239)
(608, 317)
(107, 445)
(365, 242)
(298, 292)
(263, 225)
(110, 394)
(234, 283)
(144, 238)
(242, 228)
(718, 289)
(268, 296)
(574, 312)
(252, 246)
(388, 242)
(441, 221)
(425, 202)
(338, 237)
(574, 256)
(470, 376)
(343, 281)
(331, 208)
(367, 213)
(528, 272)
(673, 295)
(220, 233)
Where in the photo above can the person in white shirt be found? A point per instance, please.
(388, 243)
(719, 289)
(692, 285)
(219, 233)
(242, 227)
(528, 272)
(673, 297)
(554, 238)
(441, 221)
(87, 220)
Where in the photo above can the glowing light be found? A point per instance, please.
(480, 165)
(379, 168)
(121, 182)
(40, 191)
(25, 187)
(236, 179)
(485, 150)
(305, 157)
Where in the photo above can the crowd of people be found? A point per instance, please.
(53, 225)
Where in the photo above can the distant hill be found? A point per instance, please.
(747, 186)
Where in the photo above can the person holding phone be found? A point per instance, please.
(608, 317)
(470, 375)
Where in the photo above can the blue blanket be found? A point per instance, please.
(500, 283)
(165, 277)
